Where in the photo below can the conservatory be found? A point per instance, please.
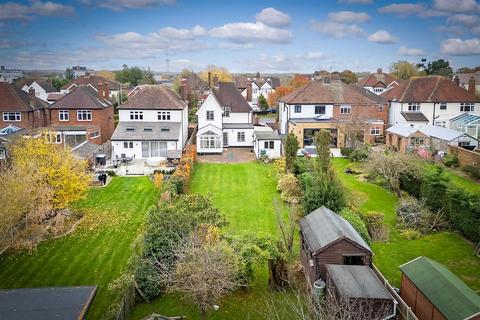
(467, 123)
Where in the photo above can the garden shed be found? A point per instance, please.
(327, 238)
(267, 143)
(361, 289)
(433, 292)
(441, 138)
(467, 123)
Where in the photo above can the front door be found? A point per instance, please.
(225, 139)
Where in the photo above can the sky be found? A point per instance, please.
(243, 36)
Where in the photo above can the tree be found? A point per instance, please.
(58, 83)
(299, 81)
(322, 144)
(262, 102)
(348, 77)
(403, 70)
(109, 75)
(69, 74)
(291, 148)
(436, 67)
(147, 77)
(322, 190)
(279, 93)
(222, 74)
(132, 75)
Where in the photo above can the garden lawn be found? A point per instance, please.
(460, 181)
(448, 248)
(245, 193)
(96, 253)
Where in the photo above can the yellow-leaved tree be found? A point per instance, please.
(222, 74)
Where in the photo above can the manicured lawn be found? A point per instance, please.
(245, 193)
(462, 182)
(448, 248)
(96, 253)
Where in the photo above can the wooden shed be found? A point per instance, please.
(435, 293)
(327, 238)
(357, 290)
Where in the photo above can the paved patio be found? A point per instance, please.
(229, 155)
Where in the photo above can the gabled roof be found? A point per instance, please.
(323, 227)
(13, 98)
(228, 96)
(450, 295)
(429, 89)
(335, 92)
(374, 79)
(370, 94)
(45, 85)
(465, 77)
(241, 82)
(157, 97)
(83, 97)
(414, 116)
(91, 80)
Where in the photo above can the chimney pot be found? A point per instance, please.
(471, 85)
(456, 79)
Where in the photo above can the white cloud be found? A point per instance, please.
(460, 47)
(337, 30)
(403, 9)
(182, 34)
(273, 17)
(464, 19)
(119, 5)
(383, 37)
(456, 5)
(412, 52)
(348, 17)
(356, 1)
(312, 55)
(17, 11)
(247, 32)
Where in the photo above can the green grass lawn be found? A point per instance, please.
(96, 253)
(245, 193)
(448, 248)
(457, 179)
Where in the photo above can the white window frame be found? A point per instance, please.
(320, 107)
(467, 105)
(443, 106)
(164, 115)
(297, 108)
(374, 131)
(63, 115)
(270, 144)
(345, 109)
(241, 136)
(84, 115)
(210, 142)
(378, 90)
(136, 115)
(414, 107)
(16, 115)
(94, 134)
(380, 107)
(127, 144)
(227, 112)
(210, 115)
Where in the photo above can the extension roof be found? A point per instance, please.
(228, 96)
(13, 98)
(450, 295)
(146, 131)
(335, 92)
(414, 116)
(323, 227)
(429, 89)
(83, 97)
(156, 97)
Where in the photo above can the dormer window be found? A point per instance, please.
(136, 115)
(227, 112)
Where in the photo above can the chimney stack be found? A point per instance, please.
(456, 79)
(106, 91)
(183, 88)
(379, 70)
(215, 81)
(249, 90)
(471, 85)
(100, 90)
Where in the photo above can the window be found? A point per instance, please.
(415, 141)
(210, 142)
(128, 144)
(84, 115)
(12, 116)
(414, 106)
(210, 115)
(130, 129)
(63, 115)
(164, 129)
(163, 115)
(95, 134)
(240, 136)
(136, 115)
(227, 112)
(353, 260)
(298, 109)
(54, 137)
(443, 106)
(147, 129)
(319, 109)
(375, 131)
(467, 107)
(2, 153)
(380, 107)
(269, 145)
(345, 109)
(378, 90)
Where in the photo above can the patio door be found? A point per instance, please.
(225, 139)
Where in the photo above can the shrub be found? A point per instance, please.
(434, 187)
(111, 173)
(356, 221)
(302, 165)
(323, 190)
(410, 234)
(289, 188)
(184, 169)
(463, 211)
(279, 166)
(411, 184)
(346, 151)
(450, 160)
(359, 154)
(472, 170)
(375, 225)
(176, 184)
(412, 214)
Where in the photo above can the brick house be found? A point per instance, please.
(379, 82)
(84, 114)
(333, 105)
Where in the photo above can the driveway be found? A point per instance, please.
(229, 155)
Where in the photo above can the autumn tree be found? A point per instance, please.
(403, 70)
(348, 77)
(291, 148)
(299, 81)
(222, 74)
(280, 92)
(109, 75)
(147, 77)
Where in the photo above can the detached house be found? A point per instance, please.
(40, 88)
(429, 100)
(85, 80)
(224, 120)
(153, 123)
(252, 88)
(379, 82)
(84, 114)
(332, 105)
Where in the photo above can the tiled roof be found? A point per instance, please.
(228, 96)
(373, 79)
(335, 92)
(13, 98)
(429, 89)
(154, 97)
(92, 80)
(241, 82)
(80, 98)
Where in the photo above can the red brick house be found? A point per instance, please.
(85, 114)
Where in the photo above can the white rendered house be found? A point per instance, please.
(224, 120)
(40, 88)
(153, 123)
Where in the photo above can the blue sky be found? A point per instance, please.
(243, 36)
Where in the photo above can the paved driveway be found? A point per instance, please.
(229, 155)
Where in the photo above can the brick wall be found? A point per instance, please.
(465, 157)
(362, 112)
(30, 119)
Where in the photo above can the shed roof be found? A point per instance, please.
(46, 303)
(146, 131)
(323, 227)
(267, 135)
(402, 129)
(357, 282)
(441, 133)
(450, 295)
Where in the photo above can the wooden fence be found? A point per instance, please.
(403, 310)
(127, 304)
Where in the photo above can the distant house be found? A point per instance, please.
(191, 85)
(10, 75)
(79, 71)
(94, 81)
(433, 98)
(84, 114)
(332, 105)
(225, 120)
(40, 88)
(153, 123)
(433, 292)
(327, 238)
(358, 289)
(252, 88)
(465, 81)
(379, 82)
